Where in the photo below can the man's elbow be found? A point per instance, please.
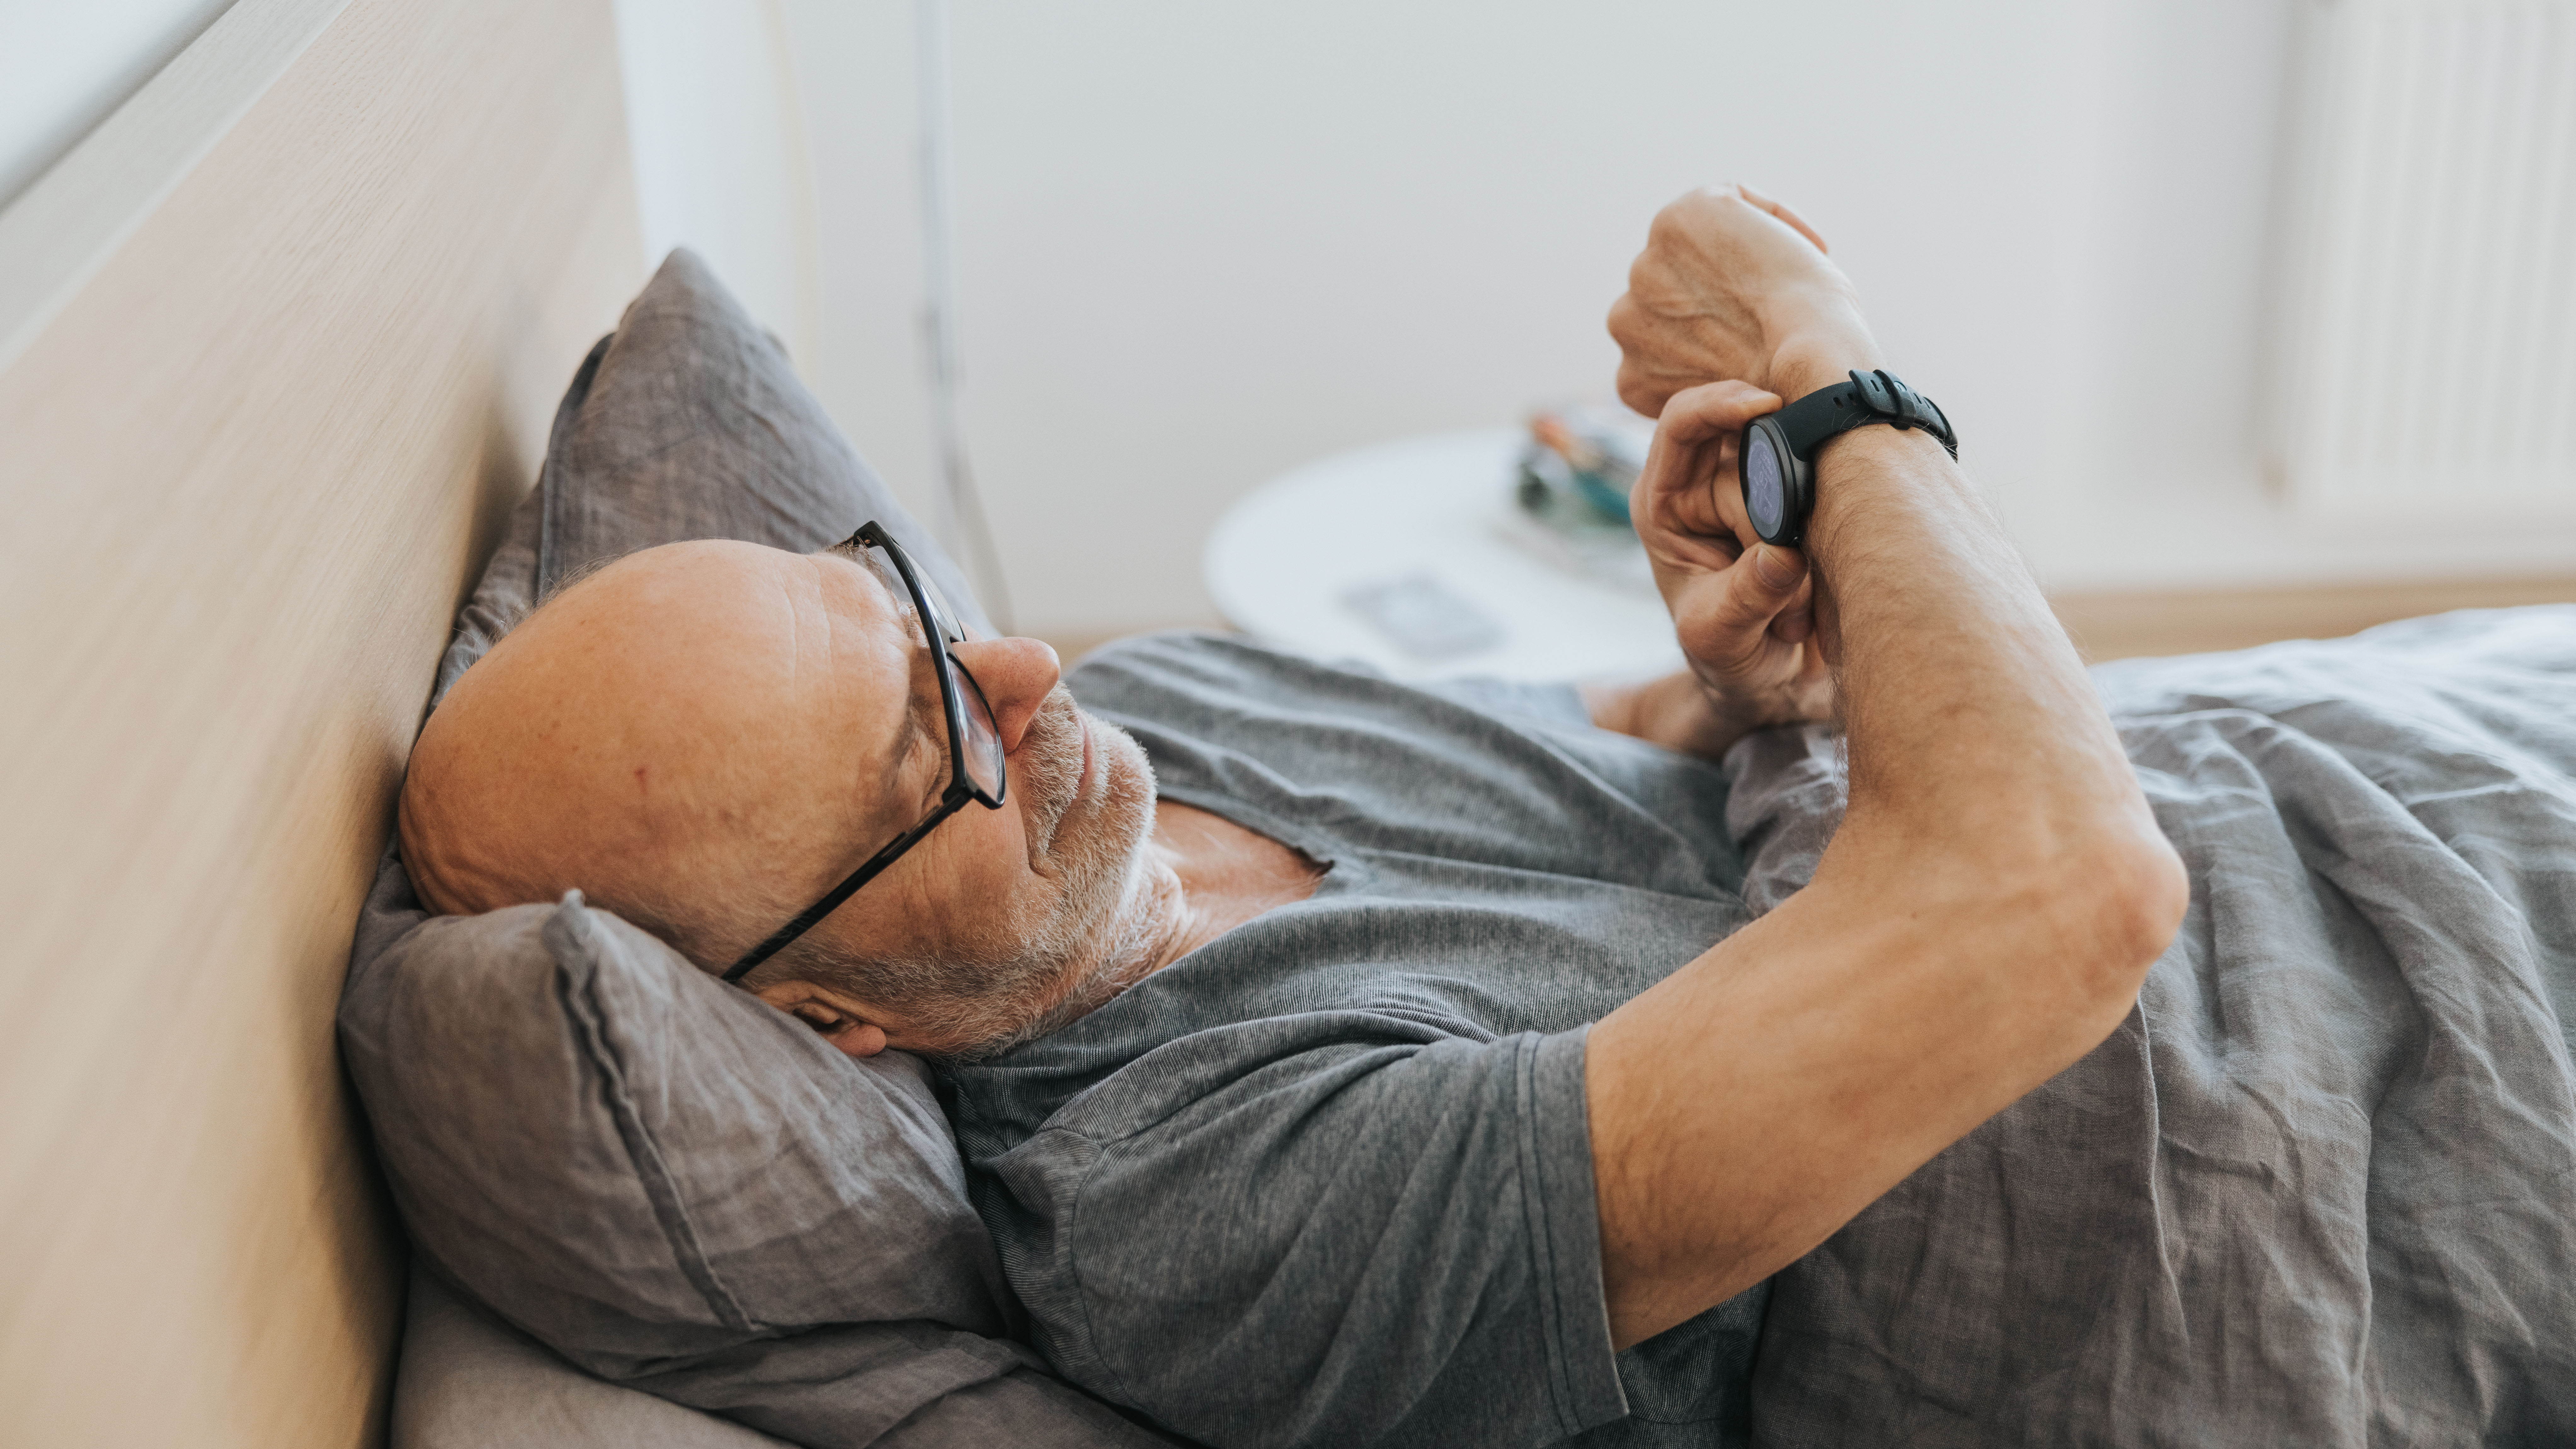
(2126, 895)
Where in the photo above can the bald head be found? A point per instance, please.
(670, 736)
(706, 737)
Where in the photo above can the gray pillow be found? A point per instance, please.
(657, 1176)
(688, 422)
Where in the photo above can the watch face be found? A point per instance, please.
(1766, 498)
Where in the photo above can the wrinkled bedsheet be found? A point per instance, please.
(2320, 1187)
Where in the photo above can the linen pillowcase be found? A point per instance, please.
(688, 422)
(657, 1176)
(681, 1190)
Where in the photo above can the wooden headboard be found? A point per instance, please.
(263, 410)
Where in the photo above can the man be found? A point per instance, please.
(1406, 1068)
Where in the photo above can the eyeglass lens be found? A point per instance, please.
(983, 738)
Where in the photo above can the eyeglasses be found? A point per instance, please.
(974, 741)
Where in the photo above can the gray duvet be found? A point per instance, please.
(2320, 1187)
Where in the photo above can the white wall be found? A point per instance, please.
(2158, 477)
(856, 65)
(1199, 244)
(719, 152)
(65, 65)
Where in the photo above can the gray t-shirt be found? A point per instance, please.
(1327, 1180)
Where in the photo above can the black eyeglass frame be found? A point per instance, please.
(936, 626)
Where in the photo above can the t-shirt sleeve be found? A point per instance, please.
(1262, 1235)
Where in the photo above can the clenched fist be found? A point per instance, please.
(1734, 286)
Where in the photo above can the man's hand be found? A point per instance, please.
(1744, 612)
(1733, 285)
(1743, 609)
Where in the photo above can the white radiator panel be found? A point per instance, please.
(2424, 363)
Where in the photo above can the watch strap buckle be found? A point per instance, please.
(1902, 407)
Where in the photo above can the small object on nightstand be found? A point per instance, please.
(1424, 616)
(1575, 474)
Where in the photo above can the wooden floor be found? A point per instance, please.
(2124, 625)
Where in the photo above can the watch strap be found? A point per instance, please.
(1869, 397)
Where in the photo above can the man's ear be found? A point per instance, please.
(834, 1017)
(857, 1038)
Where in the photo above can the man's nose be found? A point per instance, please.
(1016, 675)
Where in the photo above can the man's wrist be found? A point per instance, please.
(1679, 711)
(1704, 718)
(1812, 362)
(1880, 471)
(1816, 344)
(1817, 362)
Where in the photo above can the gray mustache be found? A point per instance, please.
(1049, 764)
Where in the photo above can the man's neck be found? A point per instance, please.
(1226, 873)
(1199, 876)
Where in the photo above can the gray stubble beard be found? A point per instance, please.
(1099, 940)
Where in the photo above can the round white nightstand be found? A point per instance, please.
(1286, 561)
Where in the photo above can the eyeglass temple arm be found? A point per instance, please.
(805, 920)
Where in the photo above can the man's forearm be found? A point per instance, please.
(1965, 704)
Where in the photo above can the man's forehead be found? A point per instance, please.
(852, 563)
(859, 592)
(812, 641)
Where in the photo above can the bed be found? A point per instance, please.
(2316, 1188)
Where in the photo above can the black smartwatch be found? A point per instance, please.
(1777, 464)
